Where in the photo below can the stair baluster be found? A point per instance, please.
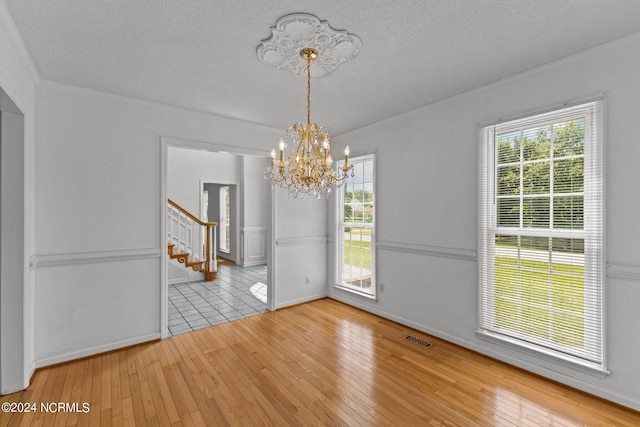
(180, 235)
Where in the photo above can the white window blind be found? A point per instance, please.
(541, 245)
(356, 229)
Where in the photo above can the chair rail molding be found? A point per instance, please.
(623, 271)
(428, 250)
(95, 257)
(296, 241)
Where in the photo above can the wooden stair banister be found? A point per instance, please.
(210, 267)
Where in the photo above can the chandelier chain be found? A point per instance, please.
(308, 91)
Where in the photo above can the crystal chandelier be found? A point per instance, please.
(308, 168)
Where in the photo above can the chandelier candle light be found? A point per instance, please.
(308, 168)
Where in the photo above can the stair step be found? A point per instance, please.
(196, 265)
(184, 255)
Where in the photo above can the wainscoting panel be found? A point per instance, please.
(254, 245)
(82, 308)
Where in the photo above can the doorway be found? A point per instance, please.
(220, 204)
(243, 284)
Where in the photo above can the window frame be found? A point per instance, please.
(592, 232)
(224, 215)
(340, 224)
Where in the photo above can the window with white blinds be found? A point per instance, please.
(541, 226)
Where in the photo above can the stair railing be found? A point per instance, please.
(180, 232)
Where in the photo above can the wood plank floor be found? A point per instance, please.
(320, 363)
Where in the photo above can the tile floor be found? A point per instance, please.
(238, 292)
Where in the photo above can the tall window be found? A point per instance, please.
(356, 229)
(225, 219)
(540, 252)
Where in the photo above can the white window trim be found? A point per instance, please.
(223, 219)
(339, 216)
(597, 256)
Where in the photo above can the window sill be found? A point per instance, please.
(355, 292)
(544, 354)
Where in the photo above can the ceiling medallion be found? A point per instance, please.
(298, 31)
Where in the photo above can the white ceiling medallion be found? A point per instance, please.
(298, 31)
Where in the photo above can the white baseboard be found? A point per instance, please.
(65, 357)
(30, 372)
(184, 280)
(25, 382)
(252, 263)
(301, 300)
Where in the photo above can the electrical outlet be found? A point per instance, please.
(306, 279)
(382, 288)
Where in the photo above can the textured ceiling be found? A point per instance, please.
(201, 54)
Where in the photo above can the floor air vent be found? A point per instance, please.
(418, 341)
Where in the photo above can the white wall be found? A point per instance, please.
(187, 168)
(254, 220)
(99, 210)
(98, 193)
(300, 249)
(428, 208)
(256, 191)
(18, 77)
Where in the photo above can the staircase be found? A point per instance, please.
(185, 233)
(185, 258)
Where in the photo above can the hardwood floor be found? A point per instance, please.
(320, 363)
